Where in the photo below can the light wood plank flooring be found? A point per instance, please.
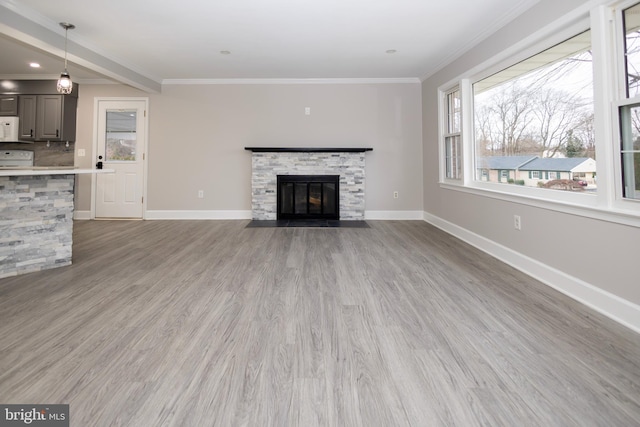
(209, 323)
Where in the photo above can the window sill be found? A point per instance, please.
(579, 204)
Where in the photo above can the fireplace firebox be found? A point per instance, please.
(308, 197)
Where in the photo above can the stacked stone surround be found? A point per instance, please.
(267, 166)
(36, 222)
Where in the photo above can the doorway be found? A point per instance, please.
(121, 141)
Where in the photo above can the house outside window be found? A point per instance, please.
(542, 118)
(542, 106)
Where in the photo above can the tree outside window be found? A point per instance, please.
(542, 106)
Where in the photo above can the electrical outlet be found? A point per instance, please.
(200, 194)
(307, 111)
(395, 194)
(81, 152)
(517, 224)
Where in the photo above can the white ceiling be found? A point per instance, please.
(147, 43)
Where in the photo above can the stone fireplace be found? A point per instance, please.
(346, 164)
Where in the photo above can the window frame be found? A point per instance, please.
(607, 46)
(621, 99)
(447, 135)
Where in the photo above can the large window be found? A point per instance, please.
(452, 140)
(558, 125)
(539, 110)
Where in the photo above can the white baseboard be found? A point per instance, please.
(81, 215)
(393, 215)
(180, 214)
(612, 306)
(198, 215)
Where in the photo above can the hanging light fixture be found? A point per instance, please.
(65, 85)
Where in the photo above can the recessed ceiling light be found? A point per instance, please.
(225, 52)
(34, 65)
(391, 51)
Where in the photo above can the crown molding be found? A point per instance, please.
(401, 80)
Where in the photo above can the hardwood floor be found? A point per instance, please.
(197, 323)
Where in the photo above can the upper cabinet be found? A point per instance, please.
(8, 105)
(27, 122)
(47, 117)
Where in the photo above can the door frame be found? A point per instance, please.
(145, 157)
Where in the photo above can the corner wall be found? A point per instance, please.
(598, 257)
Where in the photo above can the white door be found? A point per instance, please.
(121, 143)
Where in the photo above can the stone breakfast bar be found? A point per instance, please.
(36, 218)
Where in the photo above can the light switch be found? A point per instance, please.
(81, 152)
(307, 111)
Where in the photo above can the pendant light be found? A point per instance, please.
(65, 85)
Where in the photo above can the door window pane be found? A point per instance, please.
(121, 138)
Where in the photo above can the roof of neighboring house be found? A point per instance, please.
(559, 165)
(504, 162)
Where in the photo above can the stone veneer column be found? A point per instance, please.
(266, 166)
(36, 222)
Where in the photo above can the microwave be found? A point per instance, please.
(8, 129)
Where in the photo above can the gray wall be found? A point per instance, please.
(601, 253)
(197, 135)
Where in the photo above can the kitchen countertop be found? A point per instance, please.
(48, 170)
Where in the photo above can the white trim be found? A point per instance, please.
(410, 80)
(246, 214)
(393, 215)
(616, 308)
(225, 214)
(564, 28)
(617, 216)
(468, 150)
(605, 65)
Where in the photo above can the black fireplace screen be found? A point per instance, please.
(308, 197)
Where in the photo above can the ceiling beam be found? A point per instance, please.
(18, 27)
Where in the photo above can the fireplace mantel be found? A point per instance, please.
(308, 149)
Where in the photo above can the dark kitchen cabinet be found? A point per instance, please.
(27, 113)
(8, 105)
(48, 117)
